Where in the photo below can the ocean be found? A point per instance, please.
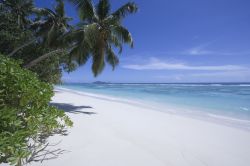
(228, 102)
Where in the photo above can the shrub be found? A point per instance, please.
(26, 118)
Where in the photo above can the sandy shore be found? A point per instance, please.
(109, 133)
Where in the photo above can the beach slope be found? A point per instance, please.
(111, 133)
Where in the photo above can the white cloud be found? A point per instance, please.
(156, 64)
(213, 76)
(203, 49)
(198, 51)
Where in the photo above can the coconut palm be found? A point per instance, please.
(99, 33)
(21, 8)
(49, 27)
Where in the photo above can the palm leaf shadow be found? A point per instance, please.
(73, 109)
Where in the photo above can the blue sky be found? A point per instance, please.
(179, 41)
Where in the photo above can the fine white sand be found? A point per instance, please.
(121, 134)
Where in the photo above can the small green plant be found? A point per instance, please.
(26, 118)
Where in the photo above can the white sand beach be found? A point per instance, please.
(120, 134)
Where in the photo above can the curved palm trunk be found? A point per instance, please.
(43, 57)
(21, 47)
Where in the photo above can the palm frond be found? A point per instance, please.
(80, 50)
(48, 12)
(123, 35)
(85, 9)
(98, 56)
(79, 54)
(73, 36)
(116, 42)
(51, 35)
(126, 9)
(103, 9)
(91, 35)
(97, 64)
(111, 58)
(59, 9)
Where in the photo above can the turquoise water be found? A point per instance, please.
(229, 100)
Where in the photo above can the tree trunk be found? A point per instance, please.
(41, 58)
(22, 46)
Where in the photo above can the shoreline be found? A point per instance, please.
(171, 109)
(109, 133)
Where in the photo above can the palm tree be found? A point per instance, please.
(51, 25)
(99, 32)
(51, 31)
(21, 8)
(49, 28)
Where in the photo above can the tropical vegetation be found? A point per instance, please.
(36, 46)
(26, 118)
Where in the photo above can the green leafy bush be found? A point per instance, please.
(26, 118)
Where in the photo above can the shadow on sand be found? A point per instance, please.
(72, 109)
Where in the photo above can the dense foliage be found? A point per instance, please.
(29, 39)
(26, 118)
(11, 34)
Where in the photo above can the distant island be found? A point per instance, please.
(100, 82)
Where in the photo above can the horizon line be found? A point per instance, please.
(158, 82)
